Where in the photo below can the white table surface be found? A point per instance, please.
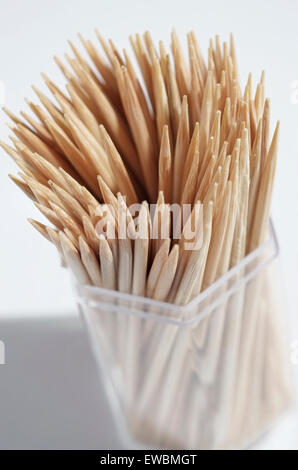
(51, 396)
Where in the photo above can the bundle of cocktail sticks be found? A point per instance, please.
(157, 184)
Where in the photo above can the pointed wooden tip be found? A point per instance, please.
(28, 102)
(13, 178)
(41, 228)
(267, 103)
(32, 221)
(100, 180)
(4, 145)
(165, 131)
(276, 133)
(82, 242)
(161, 198)
(174, 33)
(38, 205)
(52, 184)
(45, 77)
(104, 188)
(37, 91)
(6, 111)
(71, 44)
(11, 126)
(103, 130)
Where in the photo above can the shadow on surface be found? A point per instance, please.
(50, 393)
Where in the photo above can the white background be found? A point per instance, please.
(33, 31)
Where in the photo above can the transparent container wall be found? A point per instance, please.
(211, 375)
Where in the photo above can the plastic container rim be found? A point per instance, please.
(181, 311)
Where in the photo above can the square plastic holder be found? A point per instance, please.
(213, 374)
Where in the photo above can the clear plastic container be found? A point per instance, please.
(213, 374)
